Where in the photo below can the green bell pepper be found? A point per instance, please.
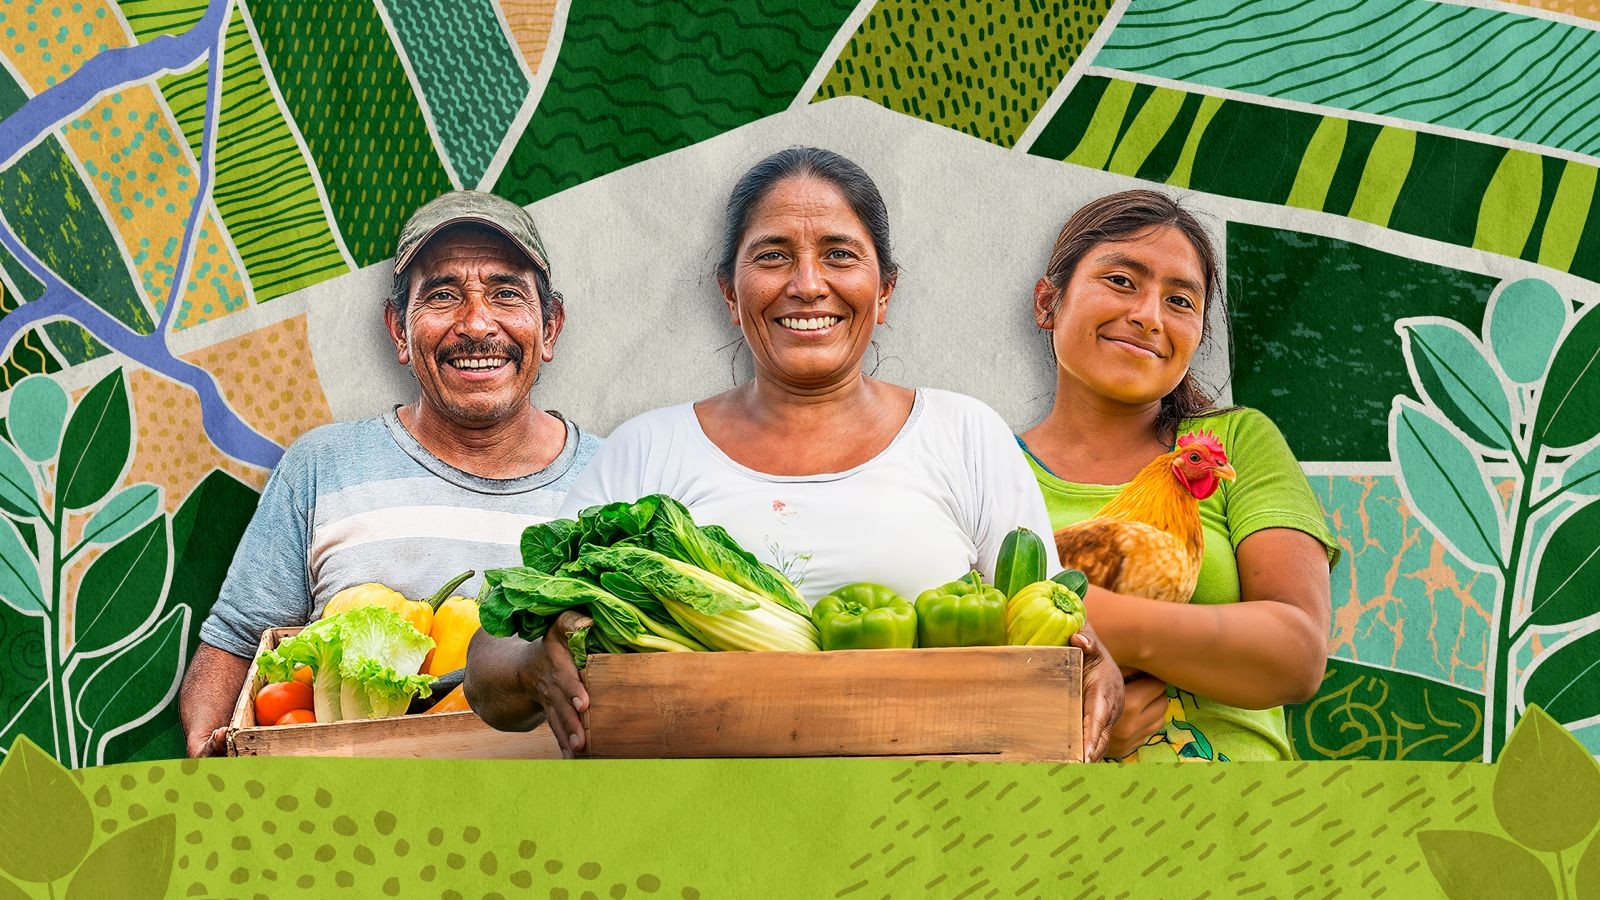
(865, 616)
(964, 613)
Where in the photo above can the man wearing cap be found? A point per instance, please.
(427, 490)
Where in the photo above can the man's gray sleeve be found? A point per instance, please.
(268, 582)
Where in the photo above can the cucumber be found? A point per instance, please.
(1021, 562)
(1073, 580)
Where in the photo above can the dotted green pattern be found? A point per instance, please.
(683, 829)
(263, 185)
(982, 67)
(343, 84)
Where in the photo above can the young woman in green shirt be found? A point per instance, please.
(1127, 297)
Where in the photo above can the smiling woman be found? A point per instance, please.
(829, 475)
(1208, 553)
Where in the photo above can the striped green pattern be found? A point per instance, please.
(982, 67)
(1489, 71)
(344, 86)
(263, 186)
(1462, 192)
(636, 80)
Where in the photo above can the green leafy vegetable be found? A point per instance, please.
(364, 663)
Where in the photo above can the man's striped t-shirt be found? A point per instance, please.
(356, 502)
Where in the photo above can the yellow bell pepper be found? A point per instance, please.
(454, 624)
(418, 612)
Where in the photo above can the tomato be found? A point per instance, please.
(276, 699)
(302, 674)
(297, 717)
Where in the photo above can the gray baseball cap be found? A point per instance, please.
(458, 207)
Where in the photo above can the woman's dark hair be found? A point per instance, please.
(807, 162)
(1125, 215)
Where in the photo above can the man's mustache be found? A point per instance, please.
(470, 349)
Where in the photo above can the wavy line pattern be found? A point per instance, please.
(1489, 71)
(263, 188)
(343, 85)
(982, 67)
(30, 355)
(468, 74)
(637, 80)
(1514, 203)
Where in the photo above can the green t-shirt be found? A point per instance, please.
(1270, 492)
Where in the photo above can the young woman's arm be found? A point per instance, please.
(1267, 650)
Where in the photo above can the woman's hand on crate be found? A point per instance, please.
(1102, 693)
(514, 684)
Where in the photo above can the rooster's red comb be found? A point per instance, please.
(1204, 439)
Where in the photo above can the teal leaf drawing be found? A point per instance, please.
(19, 573)
(45, 821)
(1547, 786)
(1471, 865)
(133, 864)
(37, 413)
(1568, 585)
(1451, 371)
(1443, 485)
(1524, 321)
(97, 444)
(1565, 681)
(117, 696)
(1582, 475)
(18, 494)
(130, 508)
(122, 590)
(1569, 404)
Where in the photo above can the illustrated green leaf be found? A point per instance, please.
(36, 415)
(97, 443)
(1586, 878)
(121, 590)
(1566, 681)
(18, 494)
(133, 864)
(1569, 404)
(129, 509)
(1547, 786)
(131, 685)
(1568, 585)
(1471, 865)
(19, 572)
(1452, 372)
(1582, 475)
(45, 821)
(1524, 321)
(1444, 486)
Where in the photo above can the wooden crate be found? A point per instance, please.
(455, 735)
(973, 703)
(995, 703)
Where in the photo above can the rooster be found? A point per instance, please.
(1147, 540)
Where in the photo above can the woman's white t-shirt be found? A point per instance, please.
(933, 505)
